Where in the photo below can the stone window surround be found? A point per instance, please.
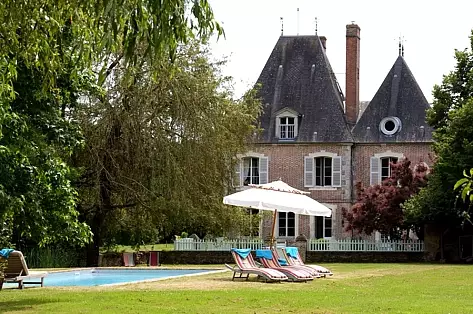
(388, 153)
(397, 125)
(322, 153)
(250, 154)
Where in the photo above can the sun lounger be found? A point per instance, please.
(269, 261)
(245, 265)
(17, 271)
(284, 263)
(293, 257)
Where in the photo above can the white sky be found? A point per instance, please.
(431, 29)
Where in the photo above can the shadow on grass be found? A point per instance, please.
(24, 304)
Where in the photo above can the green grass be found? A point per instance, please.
(148, 247)
(355, 288)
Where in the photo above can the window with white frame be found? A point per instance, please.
(286, 224)
(386, 163)
(323, 227)
(380, 166)
(286, 124)
(286, 128)
(251, 169)
(322, 169)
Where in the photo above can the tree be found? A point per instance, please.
(59, 45)
(465, 186)
(35, 180)
(159, 153)
(379, 207)
(452, 117)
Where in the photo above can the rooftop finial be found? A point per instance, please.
(401, 45)
(316, 26)
(282, 25)
(297, 21)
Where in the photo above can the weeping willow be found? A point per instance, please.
(160, 149)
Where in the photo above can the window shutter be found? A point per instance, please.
(308, 171)
(238, 174)
(263, 170)
(337, 171)
(374, 171)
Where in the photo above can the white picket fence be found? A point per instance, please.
(189, 244)
(365, 245)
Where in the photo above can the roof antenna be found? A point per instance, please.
(297, 21)
(282, 25)
(316, 26)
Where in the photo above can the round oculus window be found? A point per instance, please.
(390, 125)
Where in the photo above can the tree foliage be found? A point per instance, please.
(159, 153)
(465, 187)
(37, 197)
(452, 117)
(379, 207)
(50, 53)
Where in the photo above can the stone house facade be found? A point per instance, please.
(315, 137)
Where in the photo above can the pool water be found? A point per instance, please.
(98, 277)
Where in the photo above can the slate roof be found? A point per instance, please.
(399, 96)
(298, 76)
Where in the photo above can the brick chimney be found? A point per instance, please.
(352, 75)
(323, 40)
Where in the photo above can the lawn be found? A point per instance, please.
(355, 288)
(147, 247)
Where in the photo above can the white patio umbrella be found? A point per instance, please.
(277, 196)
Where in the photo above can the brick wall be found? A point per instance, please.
(352, 77)
(415, 152)
(286, 161)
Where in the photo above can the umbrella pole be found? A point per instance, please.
(274, 227)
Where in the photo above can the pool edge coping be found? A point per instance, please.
(208, 272)
(160, 279)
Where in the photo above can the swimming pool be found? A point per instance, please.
(105, 277)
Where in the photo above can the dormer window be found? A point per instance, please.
(390, 125)
(286, 124)
(286, 128)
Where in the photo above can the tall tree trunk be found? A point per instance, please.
(105, 191)
(93, 248)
